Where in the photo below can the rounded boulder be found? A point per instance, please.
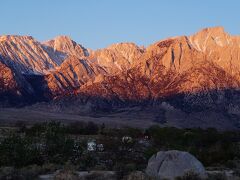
(173, 164)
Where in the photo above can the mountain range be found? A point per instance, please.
(184, 81)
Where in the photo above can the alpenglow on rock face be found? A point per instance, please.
(26, 55)
(198, 73)
(173, 164)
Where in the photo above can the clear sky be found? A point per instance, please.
(99, 23)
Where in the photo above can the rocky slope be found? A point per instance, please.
(67, 46)
(176, 66)
(30, 59)
(14, 88)
(179, 77)
(7, 81)
(71, 74)
(117, 57)
(26, 54)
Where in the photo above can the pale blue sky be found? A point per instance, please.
(99, 23)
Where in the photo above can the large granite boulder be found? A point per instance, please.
(172, 164)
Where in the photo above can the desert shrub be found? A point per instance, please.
(217, 176)
(58, 148)
(91, 128)
(126, 131)
(190, 175)
(137, 175)
(149, 152)
(96, 176)
(77, 127)
(132, 132)
(26, 173)
(8, 173)
(130, 167)
(119, 169)
(83, 128)
(50, 168)
(237, 173)
(66, 175)
(18, 151)
(88, 161)
(21, 125)
(36, 130)
(30, 172)
(100, 167)
(40, 144)
(123, 169)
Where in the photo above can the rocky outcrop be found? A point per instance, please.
(7, 81)
(14, 89)
(66, 45)
(117, 57)
(173, 164)
(26, 55)
(219, 47)
(71, 75)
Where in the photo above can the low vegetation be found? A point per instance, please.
(47, 147)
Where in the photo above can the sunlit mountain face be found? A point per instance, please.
(185, 81)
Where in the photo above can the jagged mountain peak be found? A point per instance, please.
(211, 37)
(124, 46)
(63, 38)
(14, 37)
(213, 30)
(25, 54)
(66, 45)
(117, 57)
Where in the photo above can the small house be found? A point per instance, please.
(92, 145)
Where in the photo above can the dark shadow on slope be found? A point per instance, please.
(187, 102)
(29, 90)
(40, 88)
(215, 108)
(32, 88)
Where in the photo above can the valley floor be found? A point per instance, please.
(10, 116)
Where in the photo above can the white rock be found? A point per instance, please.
(172, 164)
